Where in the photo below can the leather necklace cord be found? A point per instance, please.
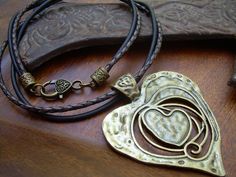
(14, 41)
(110, 97)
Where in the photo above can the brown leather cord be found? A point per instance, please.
(155, 47)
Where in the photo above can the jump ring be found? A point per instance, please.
(77, 85)
(36, 89)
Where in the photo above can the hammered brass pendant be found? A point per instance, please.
(169, 123)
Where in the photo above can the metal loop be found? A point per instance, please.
(78, 85)
(36, 89)
(50, 94)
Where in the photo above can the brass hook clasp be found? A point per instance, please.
(78, 85)
(61, 86)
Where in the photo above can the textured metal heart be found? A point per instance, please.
(173, 128)
(171, 108)
(62, 86)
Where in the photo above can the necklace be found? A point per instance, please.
(16, 31)
(170, 113)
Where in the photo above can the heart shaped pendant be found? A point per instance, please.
(171, 115)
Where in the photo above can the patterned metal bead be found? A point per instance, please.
(27, 80)
(100, 76)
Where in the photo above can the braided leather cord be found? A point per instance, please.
(120, 54)
(88, 103)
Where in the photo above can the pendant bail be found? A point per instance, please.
(127, 85)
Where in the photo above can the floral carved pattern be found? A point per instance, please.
(69, 26)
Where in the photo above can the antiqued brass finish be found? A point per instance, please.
(100, 76)
(27, 80)
(36, 89)
(127, 85)
(61, 86)
(172, 116)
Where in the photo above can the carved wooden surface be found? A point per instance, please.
(69, 26)
(32, 147)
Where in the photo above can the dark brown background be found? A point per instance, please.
(32, 147)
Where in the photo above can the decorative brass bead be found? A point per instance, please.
(127, 85)
(100, 76)
(27, 80)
